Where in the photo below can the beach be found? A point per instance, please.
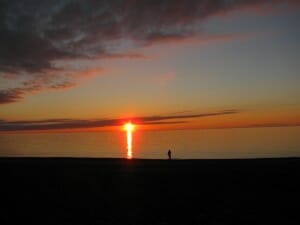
(137, 191)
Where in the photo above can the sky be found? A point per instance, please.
(167, 64)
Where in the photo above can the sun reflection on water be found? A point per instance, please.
(129, 128)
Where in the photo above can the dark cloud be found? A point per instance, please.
(26, 51)
(17, 94)
(260, 125)
(73, 124)
(274, 125)
(164, 123)
(188, 116)
(35, 34)
(10, 96)
(62, 85)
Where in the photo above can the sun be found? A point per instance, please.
(129, 127)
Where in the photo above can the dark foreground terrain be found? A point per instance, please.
(120, 191)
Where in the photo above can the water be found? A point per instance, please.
(222, 143)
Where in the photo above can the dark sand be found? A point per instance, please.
(120, 191)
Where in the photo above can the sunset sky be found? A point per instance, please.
(67, 64)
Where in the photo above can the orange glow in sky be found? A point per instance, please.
(129, 128)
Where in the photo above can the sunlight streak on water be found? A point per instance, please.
(129, 144)
(129, 127)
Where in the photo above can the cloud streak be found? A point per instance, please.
(57, 124)
(38, 36)
(13, 95)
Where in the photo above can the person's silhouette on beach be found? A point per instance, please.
(170, 154)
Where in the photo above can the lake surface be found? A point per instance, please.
(185, 144)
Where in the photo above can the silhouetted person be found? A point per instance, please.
(170, 154)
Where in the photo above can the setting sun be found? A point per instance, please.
(129, 127)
